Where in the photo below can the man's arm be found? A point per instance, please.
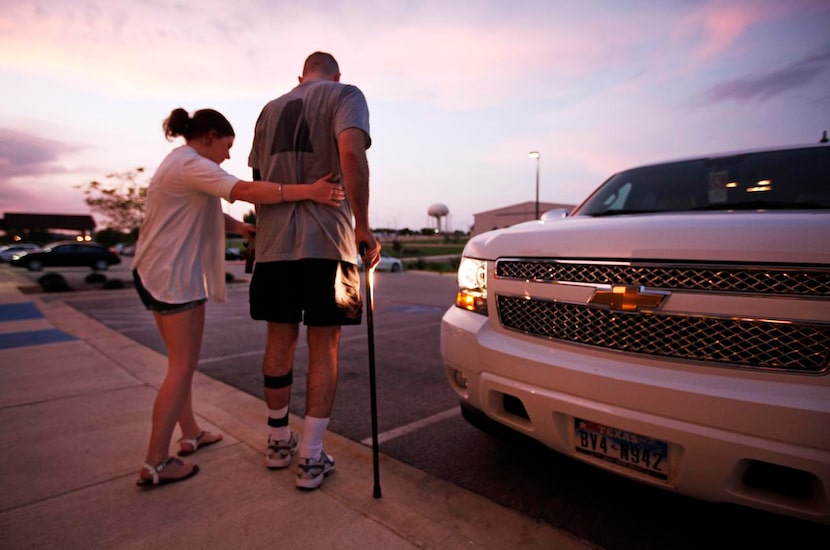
(354, 165)
(232, 225)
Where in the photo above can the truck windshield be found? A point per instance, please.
(770, 180)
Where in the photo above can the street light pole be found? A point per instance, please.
(536, 155)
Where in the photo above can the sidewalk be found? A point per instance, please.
(75, 402)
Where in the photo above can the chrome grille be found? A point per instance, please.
(790, 347)
(778, 280)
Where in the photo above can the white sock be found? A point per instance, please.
(278, 433)
(313, 431)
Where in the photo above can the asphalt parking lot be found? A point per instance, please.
(419, 422)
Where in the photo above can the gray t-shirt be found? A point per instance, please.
(295, 142)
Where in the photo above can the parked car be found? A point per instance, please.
(387, 263)
(232, 253)
(125, 249)
(68, 254)
(8, 251)
(674, 329)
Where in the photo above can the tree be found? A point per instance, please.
(110, 237)
(122, 201)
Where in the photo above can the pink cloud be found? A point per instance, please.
(718, 25)
(771, 83)
(25, 154)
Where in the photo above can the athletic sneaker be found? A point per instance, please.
(311, 471)
(279, 453)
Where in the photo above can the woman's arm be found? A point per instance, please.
(266, 192)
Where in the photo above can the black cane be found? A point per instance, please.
(370, 307)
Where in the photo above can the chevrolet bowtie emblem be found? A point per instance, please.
(628, 298)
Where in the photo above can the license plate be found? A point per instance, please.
(628, 449)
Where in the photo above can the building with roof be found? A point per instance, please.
(22, 224)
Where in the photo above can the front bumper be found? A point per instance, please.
(750, 438)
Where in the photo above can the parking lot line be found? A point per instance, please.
(412, 426)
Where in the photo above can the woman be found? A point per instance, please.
(180, 263)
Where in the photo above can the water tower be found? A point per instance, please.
(438, 211)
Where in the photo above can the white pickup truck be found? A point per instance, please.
(674, 329)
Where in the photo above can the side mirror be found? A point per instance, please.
(555, 214)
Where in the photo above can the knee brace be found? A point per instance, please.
(278, 422)
(277, 382)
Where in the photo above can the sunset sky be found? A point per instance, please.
(459, 91)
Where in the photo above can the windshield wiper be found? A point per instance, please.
(623, 212)
(766, 205)
(746, 205)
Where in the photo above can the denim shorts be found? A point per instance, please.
(163, 308)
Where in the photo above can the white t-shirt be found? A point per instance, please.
(180, 255)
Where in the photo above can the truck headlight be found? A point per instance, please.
(472, 285)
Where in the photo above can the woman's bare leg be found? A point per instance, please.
(182, 334)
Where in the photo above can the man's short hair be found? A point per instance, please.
(321, 62)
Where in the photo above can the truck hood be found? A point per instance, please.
(781, 237)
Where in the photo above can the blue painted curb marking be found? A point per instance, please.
(33, 338)
(19, 312)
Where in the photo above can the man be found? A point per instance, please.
(306, 255)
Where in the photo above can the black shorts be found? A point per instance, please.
(315, 291)
(162, 308)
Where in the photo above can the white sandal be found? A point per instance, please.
(155, 481)
(196, 443)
